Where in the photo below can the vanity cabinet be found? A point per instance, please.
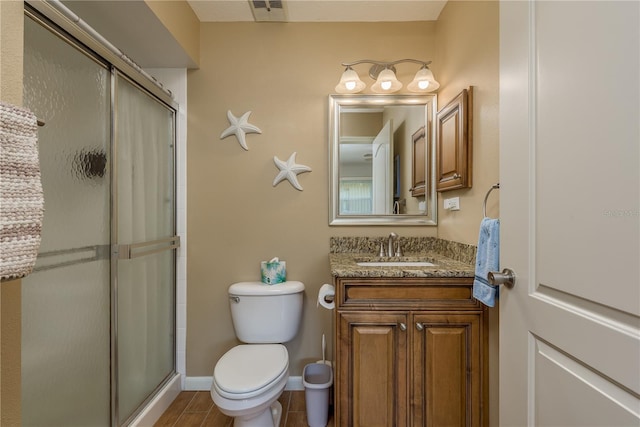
(410, 352)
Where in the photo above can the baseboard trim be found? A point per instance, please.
(198, 383)
(294, 383)
(204, 383)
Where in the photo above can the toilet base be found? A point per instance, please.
(269, 417)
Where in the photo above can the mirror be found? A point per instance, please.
(382, 160)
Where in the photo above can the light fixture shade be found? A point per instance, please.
(386, 83)
(350, 82)
(423, 81)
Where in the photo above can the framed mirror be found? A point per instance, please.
(382, 160)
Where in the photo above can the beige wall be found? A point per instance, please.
(283, 73)
(468, 55)
(182, 22)
(11, 36)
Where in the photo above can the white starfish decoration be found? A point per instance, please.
(239, 127)
(289, 170)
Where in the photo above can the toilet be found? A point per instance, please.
(249, 378)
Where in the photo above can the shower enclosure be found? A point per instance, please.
(98, 328)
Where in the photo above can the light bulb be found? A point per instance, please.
(423, 81)
(386, 82)
(350, 82)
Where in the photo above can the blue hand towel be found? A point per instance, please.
(487, 259)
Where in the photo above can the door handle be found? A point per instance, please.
(507, 278)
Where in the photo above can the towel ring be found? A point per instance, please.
(495, 186)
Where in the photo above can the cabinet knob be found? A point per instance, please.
(403, 327)
(419, 326)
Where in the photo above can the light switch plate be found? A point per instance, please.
(452, 204)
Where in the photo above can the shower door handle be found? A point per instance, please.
(132, 250)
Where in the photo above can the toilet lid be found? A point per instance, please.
(250, 367)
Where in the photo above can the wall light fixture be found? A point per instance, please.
(384, 73)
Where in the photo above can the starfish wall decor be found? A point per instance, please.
(240, 127)
(289, 170)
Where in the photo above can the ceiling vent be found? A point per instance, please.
(268, 10)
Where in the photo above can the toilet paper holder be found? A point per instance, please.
(326, 297)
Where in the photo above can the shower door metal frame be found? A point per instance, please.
(68, 30)
(83, 34)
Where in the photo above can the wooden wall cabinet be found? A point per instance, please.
(454, 137)
(410, 352)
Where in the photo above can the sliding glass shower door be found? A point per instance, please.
(66, 300)
(144, 235)
(98, 318)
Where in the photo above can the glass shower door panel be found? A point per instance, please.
(145, 214)
(65, 346)
(145, 165)
(145, 328)
(66, 300)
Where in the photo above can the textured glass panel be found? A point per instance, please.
(145, 184)
(144, 138)
(65, 304)
(145, 327)
(65, 346)
(70, 92)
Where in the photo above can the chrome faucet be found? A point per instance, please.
(391, 244)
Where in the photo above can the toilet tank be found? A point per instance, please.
(266, 313)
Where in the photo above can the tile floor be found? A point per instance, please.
(196, 409)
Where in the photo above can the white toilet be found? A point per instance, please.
(249, 378)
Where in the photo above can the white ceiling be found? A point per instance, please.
(324, 10)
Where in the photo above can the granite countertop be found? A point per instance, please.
(451, 259)
(345, 265)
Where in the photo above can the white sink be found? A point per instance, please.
(396, 264)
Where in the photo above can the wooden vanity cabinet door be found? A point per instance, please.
(447, 370)
(373, 370)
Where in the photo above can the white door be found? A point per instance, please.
(382, 170)
(570, 213)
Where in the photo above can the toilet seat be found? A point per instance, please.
(247, 370)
